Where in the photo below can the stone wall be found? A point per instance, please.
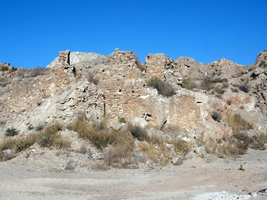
(64, 57)
(155, 64)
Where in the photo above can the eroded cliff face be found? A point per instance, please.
(112, 87)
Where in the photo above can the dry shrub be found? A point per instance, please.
(4, 82)
(223, 148)
(237, 123)
(219, 90)
(220, 80)
(207, 85)
(228, 150)
(50, 137)
(4, 68)
(189, 84)
(119, 152)
(244, 87)
(38, 71)
(138, 133)
(258, 141)
(181, 147)
(150, 151)
(92, 78)
(140, 66)
(234, 90)
(61, 142)
(138, 63)
(97, 133)
(163, 88)
(225, 85)
(237, 144)
(172, 130)
(16, 145)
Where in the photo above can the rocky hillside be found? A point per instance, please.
(206, 105)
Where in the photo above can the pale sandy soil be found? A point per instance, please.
(187, 181)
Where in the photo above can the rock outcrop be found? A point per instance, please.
(112, 87)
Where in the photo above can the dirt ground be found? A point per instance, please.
(186, 181)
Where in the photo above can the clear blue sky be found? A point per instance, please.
(34, 31)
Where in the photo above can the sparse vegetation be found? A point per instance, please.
(30, 127)
(189, 84)
(207, 85)
(4, 82)
(181, 147)
(38, 71)
(39, 128)
(97, 134)
(11, 132)
(118, 155)
(138, 63)
(15, 145)
(163, 88)
(237, 123)
(50, 137)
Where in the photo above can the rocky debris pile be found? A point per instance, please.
(228, 196)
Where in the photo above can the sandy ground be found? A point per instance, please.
(186, 181)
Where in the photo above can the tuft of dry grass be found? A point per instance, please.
(162, 87)
(92, 78)
(138, 133)
(235, 145)
(234, 90)
(150, 150)
(38, 71)
(119, 152)
(50, 137)
(138, 63)
(181, 147)
(237, 123)
(189, 84)
(16, 145)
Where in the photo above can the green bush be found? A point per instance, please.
(30, 127)
(4, 68)
(11, 132)
(244, 87)
(163, 88)
(138, 133)
(216, 116)
(39, 128)
(121, 120)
